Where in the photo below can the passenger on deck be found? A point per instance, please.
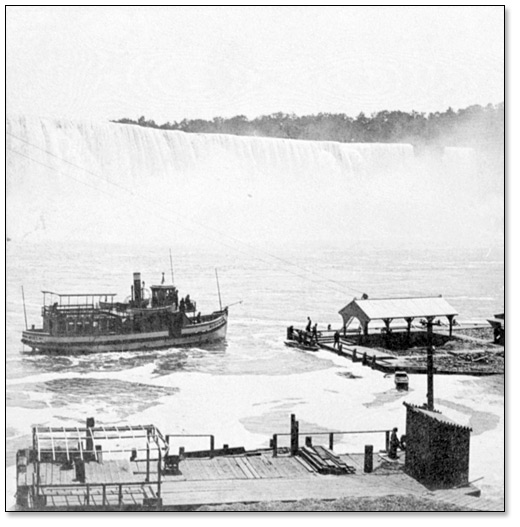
(198, 318)
(182, 305)
(315, 332)
(309, 325)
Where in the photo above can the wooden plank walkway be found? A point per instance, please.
(198, 493)
(461, 498)
(239, 468)
(238, 479)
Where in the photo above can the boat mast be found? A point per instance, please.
(218, 289)
(24, 310)
(171, 265)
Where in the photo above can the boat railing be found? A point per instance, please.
(70, 309)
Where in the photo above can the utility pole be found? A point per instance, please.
(429, 363)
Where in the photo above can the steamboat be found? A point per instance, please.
(149, 319)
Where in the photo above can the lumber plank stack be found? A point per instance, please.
(323, 461)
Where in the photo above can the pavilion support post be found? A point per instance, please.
(365, 333)
(387, 322)
(409, 321)
(450, 320)
(429, 363)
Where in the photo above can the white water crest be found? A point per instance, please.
(101, 181)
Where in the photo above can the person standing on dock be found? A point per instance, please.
(315, 333)
(336, 339)
(309, 325)
(394, 444)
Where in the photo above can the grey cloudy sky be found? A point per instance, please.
(168, 63)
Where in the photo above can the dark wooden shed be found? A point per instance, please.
(437, 448)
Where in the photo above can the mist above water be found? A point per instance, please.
(97, 181)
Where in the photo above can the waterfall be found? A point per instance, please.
(112, 182)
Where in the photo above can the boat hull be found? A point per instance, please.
(193, 335)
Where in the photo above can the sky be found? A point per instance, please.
(171, 63)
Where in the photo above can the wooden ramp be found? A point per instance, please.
(197, 493)
(116, 485)
(240, 468)
(243, 479)
(462, 498)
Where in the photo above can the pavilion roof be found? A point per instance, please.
(369, 309)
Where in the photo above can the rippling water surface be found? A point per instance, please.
(245, 389)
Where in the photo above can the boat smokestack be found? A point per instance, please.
(137, 287)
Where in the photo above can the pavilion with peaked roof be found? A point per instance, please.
(366, 310)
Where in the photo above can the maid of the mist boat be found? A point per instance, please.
(93, 323)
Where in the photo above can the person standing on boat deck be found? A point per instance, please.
(309, 325)
(336, 339)
(394, 444)
(162, 281)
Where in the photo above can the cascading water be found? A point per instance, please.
(106, 181)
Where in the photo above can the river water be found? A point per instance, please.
(245, 389)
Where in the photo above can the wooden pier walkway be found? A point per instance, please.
(248, 478)
(122, 485)
(388, 362)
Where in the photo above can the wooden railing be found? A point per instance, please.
(209, 436)
(39, 494)
(331, 435)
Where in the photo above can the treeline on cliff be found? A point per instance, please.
(472, 126)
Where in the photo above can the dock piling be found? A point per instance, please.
(369, 459)
(89, 448)
(294, 435)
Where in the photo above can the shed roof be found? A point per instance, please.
(381, 308)
(437, 416)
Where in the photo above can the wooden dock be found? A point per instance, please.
(448, 363)
(255, 477)
(96, 474)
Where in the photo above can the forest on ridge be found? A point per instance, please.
(475, 126)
